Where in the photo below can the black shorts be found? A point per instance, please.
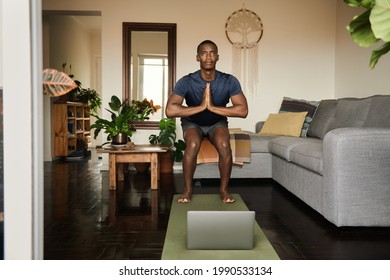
(206, 131)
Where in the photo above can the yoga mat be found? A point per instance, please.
(175, 245)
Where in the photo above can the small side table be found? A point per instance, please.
(139, 153)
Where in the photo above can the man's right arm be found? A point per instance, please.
(175, 107)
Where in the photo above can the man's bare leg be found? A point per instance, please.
(221, 141)
(193, 140)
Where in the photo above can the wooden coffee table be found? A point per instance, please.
(139, 153)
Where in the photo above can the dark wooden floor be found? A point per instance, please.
(83, 220)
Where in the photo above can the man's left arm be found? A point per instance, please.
(239, 107)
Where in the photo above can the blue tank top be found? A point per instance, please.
(191, 87)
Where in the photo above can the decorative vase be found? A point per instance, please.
(119, 139)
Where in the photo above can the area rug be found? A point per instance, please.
(175, 245)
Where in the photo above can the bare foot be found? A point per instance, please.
(183, 200)
(227, 198)
(185, 197)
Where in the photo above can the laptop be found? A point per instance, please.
(220, 230)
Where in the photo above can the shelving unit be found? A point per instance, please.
(71, 121)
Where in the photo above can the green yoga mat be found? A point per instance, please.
(175, 246)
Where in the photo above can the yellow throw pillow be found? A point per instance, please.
(284, 124)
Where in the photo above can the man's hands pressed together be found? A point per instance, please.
(207, 103)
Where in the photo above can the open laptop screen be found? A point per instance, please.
(220, 230)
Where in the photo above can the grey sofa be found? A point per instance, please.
(341, 169)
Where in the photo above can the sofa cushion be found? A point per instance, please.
(323, 118)
(300, 105)
(281, 146)
(258, 126)
(308, 155)
(379, 114)
(351, 113)
(284, 124)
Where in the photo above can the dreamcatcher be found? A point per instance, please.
(244, 30)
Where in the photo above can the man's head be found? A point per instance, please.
(207, 42)
(207, 54)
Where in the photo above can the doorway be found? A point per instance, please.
(72, 44)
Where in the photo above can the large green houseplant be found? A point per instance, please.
(371, 26)
(167, 137)
(120, 126)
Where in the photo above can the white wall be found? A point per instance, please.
(70, 42)
(295, 36)
(297, 56)
(22, 56)
(353, 75)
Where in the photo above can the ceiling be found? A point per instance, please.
(92, 20)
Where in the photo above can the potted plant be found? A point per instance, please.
(90, 97)
(371, 26)
(120, 128)
(167, 137)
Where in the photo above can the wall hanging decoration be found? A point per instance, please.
(244, 30)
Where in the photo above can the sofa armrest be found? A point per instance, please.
(356, 183)
(258, 126)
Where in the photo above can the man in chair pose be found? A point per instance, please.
(207, 93)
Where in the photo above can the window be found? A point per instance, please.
(153, 81)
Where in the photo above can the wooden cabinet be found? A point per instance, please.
(71, 121)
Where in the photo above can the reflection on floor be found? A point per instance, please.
(84, 220)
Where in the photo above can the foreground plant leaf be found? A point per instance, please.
(360, 29)
(380, 20)
(56, 83)
(376, 54)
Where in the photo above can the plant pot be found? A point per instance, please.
(166, 162)
(119, 139)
